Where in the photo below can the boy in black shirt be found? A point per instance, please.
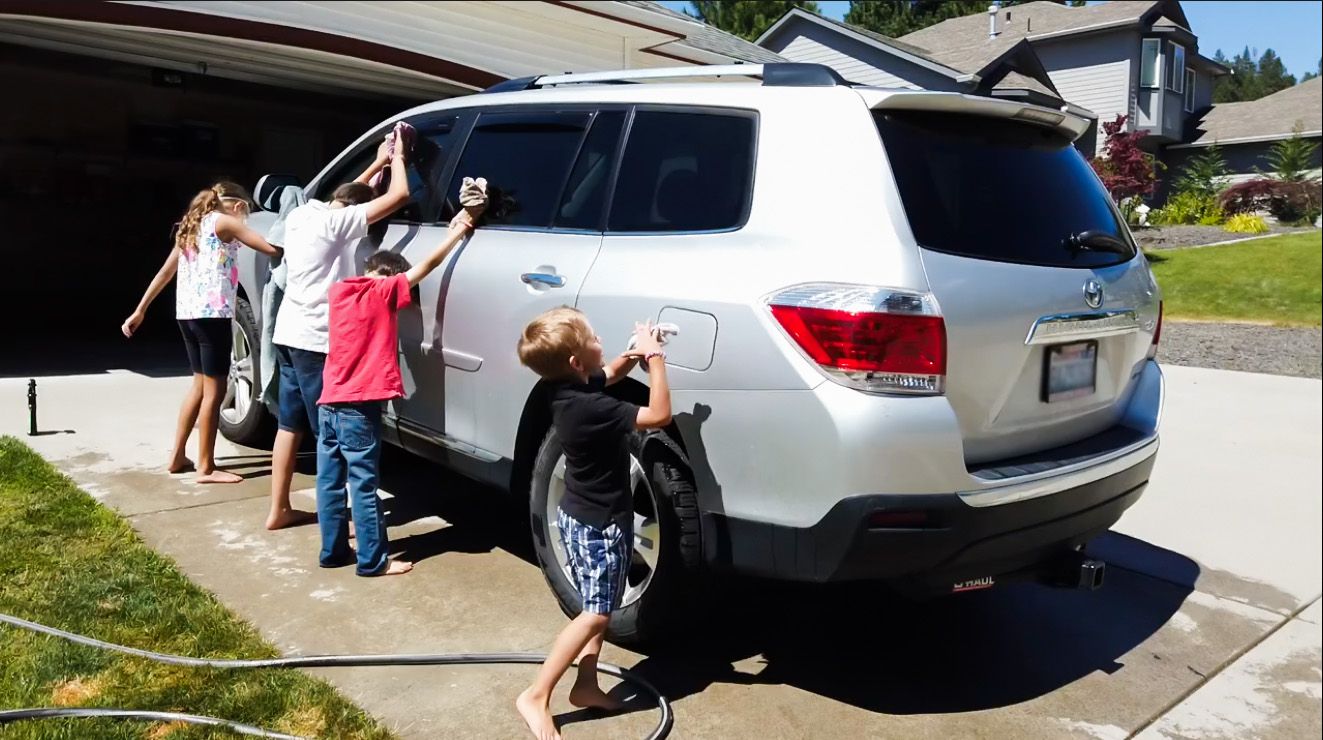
(596, 515)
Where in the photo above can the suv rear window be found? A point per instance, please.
(997, 189)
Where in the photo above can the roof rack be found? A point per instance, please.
(780, 74)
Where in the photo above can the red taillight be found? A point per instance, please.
(873, 339)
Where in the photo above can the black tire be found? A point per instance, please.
(667, 603)
(258, 427)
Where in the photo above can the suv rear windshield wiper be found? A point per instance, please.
(1097, 241)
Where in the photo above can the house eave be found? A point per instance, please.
(1246, 140)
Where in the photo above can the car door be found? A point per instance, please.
(548, 172)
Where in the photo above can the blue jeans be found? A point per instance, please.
(300, 387)
(349, 453)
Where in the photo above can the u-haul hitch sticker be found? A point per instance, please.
(975, 584)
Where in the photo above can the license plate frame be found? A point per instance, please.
(1063, 359)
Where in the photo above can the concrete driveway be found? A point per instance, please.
(1208, 626)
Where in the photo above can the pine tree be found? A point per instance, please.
(1272, 74)
(1204, 174)
(747, 18)
(1293, 158)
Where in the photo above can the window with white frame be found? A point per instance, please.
(1189, 90)
(1150, 63)
(1176, 70)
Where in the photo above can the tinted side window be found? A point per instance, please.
(684, 172)
(526, 158)
(348, 168)
(585, 193)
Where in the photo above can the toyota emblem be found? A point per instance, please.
(1093, 293)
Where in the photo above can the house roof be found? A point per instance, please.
(1269, 118)
(711, 39)
(1041, 19)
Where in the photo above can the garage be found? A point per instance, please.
(121, 111)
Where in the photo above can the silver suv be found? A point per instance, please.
(916, 340)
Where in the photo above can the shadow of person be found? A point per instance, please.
(480, 518)
(864, 646)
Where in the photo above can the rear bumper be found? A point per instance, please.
(957, 542)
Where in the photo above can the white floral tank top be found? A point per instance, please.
(208, 277)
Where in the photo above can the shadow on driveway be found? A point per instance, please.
(854, 643)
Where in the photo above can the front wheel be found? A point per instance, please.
(244, 419)
(664, 575)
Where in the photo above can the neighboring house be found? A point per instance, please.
(1134, 58)
(1245, 132)
(999, 67)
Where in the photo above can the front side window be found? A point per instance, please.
(685, 171)
(1189, 90)
(423, 166)
(1150, 63)
(1176, 70)
(526, 159)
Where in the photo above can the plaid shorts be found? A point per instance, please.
(599, 561)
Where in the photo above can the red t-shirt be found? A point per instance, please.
(362, 364)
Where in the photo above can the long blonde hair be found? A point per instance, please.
(205, 202)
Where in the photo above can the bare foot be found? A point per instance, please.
(395, 568)
(590, 696)
(537, 716)
(289, 518)
(218, 476)
(180, 465)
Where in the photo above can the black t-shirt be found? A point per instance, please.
(593, 428)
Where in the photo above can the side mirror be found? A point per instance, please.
(267, 192)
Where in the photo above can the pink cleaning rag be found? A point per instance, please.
(404, 134)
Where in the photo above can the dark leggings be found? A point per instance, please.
(208, 343)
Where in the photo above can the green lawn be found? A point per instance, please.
(68, 562)
(1275, 280)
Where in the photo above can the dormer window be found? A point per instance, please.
(1176, 70)
(1150, 63)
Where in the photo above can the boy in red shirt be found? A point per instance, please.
(363, 371)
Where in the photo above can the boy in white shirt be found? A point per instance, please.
(319, 252)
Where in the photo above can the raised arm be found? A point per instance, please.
(398, 193)
(657, 413)
(163, 276)
(229, 228)
(459, 226)
(378, 164)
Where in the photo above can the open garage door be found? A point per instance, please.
(98, 157)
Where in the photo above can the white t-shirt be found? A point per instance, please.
(319, 252)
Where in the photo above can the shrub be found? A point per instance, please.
(1245, 223)
(1189, 208)
(1204, 174)
(1125, 170)
(1287, 201)
(1293, 158)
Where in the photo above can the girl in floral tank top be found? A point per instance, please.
(205, 261)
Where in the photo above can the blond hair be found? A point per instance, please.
(551, 339)
(205, 202)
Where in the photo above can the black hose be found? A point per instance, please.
(662, 729)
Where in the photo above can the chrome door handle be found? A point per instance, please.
(542, 278)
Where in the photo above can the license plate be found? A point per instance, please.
(1070, 371)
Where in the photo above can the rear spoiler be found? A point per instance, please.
(1067, 123)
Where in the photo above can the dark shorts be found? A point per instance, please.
(599, 561)
(208, 343)
(300, 387)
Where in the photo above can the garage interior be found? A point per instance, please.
(98, 158)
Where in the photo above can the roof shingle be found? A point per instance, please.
(1027, 20)
(708, 38)
(1270, 116)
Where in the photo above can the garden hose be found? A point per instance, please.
(662, 729)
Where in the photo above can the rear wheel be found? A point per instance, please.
(244, 419)
(664, 573)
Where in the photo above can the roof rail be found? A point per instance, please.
(781, 74)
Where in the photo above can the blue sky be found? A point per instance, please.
(1289, 27)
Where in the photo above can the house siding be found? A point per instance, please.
(1244, 162)
(804, 41)
(1097, 72)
